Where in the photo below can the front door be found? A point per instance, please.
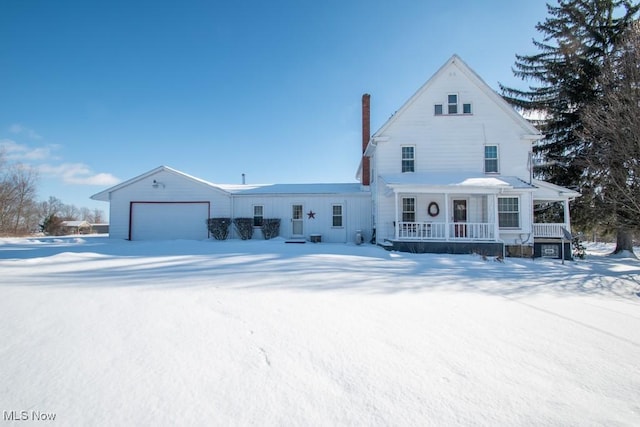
(460, 218)
(296, 220)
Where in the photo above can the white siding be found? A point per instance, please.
(171, 187)
(356, 214)
(453, 143)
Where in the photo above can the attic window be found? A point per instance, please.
(466, 108)
(452, 103)
(437, 109)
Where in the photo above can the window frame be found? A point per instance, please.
(496, 159)
(406, 213)
(412, 159)
(334, 216)
(452, 107)
(255, 216)
(509, 212)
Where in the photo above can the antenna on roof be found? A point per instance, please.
(243, 179)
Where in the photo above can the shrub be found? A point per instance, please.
(270, 228)
(219, 227)
(244, 227)
(52, 225)
(579, 251)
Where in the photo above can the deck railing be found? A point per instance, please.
(438, 231)
(548, 230)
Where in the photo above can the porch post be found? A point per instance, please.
(567, 220)
(446, 216)
(397, 224)
(496, 222)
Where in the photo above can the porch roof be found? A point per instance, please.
(454, 183)
(547, 191)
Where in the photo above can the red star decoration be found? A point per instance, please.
(311, 215)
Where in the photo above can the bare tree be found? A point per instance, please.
(53, 206)
(18, 207)
(98, 216)
(69, 212)
(612, 125)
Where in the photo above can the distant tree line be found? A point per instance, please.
(22, 214)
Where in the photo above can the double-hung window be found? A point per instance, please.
(258, 215)
(491, 159)
(408, 158)
(452, 103)
(408, 209)
(337, 215)
(508, 212)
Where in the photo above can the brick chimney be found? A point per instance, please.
(366, 135)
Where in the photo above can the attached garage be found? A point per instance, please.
(168, 220)
(165, 204)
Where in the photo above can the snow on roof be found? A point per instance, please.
(455, 179)
(553, 191)
(327, 188)
(75, 224)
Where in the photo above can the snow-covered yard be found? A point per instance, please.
(101, 332)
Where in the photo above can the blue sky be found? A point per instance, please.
(95, 92)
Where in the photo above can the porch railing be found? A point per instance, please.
(548, 230)
(438, 231)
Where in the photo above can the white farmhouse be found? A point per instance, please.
(449, 172)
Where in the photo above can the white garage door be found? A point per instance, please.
(169, 221)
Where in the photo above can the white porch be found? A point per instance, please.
(550, 230)
(447, 231)
(446, 217)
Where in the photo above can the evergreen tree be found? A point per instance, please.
(52, 225)
(579, 36)
(613, 127)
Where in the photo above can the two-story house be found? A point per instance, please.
(450, 172)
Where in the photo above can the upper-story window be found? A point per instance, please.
(491, 159)
(452, 103)
(408, 158)
(453, 106)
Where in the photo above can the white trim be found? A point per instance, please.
(402, 159)
(510, 196)
(484, 159)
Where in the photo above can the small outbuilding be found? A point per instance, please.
(75, 227)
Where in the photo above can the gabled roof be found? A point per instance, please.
(527, 127)
(104, 195)
(242, 189)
